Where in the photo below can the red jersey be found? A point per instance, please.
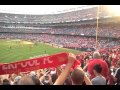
(105, 70)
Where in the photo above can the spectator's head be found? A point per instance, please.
(54, 77)
(96, 55)
(32, 73)
(12, 76)
(17, 79)
(6, 82)
(26, 80)
(77, 77)
(47, 80)
(97, 69)
(36, 80)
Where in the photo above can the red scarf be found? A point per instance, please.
(35, 64)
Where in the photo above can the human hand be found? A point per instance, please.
(71, 58)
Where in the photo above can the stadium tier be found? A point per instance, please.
(105, 30)
(82, 14)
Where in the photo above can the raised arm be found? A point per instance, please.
(58, 71)
(60, 80)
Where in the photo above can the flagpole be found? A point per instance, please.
(97, 28)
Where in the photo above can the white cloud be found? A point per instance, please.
(36, 9)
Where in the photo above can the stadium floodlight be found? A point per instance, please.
(114, 9)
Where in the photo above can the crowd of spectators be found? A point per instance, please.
(95, 69)
(64, 40)
(104, 30)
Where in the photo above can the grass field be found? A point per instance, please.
(11, 50)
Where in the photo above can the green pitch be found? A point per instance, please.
(11, 51)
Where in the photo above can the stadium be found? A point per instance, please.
(82, 32)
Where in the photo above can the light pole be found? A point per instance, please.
(97, 27)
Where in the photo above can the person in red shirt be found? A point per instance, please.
(97, 60)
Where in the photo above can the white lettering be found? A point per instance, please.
(47, 60)
(4, 67)
(12, 66)
(23, 65)
(30, 63)
(34, 63)
(9, 66)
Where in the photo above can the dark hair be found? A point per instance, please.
(77, 76)
(36, 80)
(46, 83)
(97, 68)
(46, 77)
(6, 82)
(54, 77)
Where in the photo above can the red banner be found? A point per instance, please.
(35, 64)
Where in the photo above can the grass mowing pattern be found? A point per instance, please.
(17, 52)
